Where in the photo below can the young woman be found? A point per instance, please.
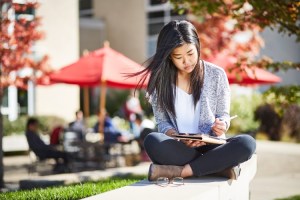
(189, 95)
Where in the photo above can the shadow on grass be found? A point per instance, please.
(75, 191)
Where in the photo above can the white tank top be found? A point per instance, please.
(187, 115)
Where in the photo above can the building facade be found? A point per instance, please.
(131, 27)
(282, 48)
(60, 23)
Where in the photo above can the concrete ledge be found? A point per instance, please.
(208, 187)
(15, 143)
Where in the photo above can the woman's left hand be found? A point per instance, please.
(193, 143)
(219, 127)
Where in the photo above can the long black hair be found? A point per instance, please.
(162, 71)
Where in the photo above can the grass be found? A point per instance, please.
(76, 191)
(297, 197)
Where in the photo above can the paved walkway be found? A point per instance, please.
(278, 173)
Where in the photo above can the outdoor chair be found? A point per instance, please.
(86, 154)
(37, 165)
(70, 142)
(122, 154)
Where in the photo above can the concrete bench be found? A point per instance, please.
(208, 187)
(14, 143)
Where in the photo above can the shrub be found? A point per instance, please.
(291, 122)
(91, 121)
(14, 127)
(47, 123)
(286, 102)
(281, 97)
(115, 100)
(270, 121)
(244, 106)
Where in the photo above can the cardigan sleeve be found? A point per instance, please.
(162, 119)
(223, 98)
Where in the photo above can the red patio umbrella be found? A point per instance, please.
(104, 67)
(248, 76)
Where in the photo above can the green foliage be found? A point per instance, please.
(282, 15)
(14, 127)
(115, 100)
(290, 124)
(91, 120)
(244, 106)
(267, 63)
(282, 96)
(251, 16)
(285, 65)
(286, 102)
(47, 123)
(77, 191)
(270, 121)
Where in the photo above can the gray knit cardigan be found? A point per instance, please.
(214, 102)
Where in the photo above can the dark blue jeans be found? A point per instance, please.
(203, 160)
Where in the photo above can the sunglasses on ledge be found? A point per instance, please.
(164, 181)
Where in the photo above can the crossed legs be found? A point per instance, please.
(204, 160)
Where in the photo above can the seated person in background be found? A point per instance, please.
(132, 106)
(78, 126)
(56, 135)
(111, 133)
(140, 129)
(141, 123)
(38, 146)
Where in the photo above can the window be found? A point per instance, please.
(159, 13)
(86, 8)
(24, 12)
(23, 101)
(5, 97)
(157, 2)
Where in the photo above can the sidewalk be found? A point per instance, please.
(16, 170)
(278, 172)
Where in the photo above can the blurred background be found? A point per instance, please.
(239, 36)
(70, 28)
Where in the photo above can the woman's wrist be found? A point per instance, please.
(171, 132)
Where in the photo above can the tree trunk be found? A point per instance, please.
(1, 137)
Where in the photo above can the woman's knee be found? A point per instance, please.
(246, 144)
(249, 144)
(150, 140)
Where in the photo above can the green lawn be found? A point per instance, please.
(77, 191)
(297, 197)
